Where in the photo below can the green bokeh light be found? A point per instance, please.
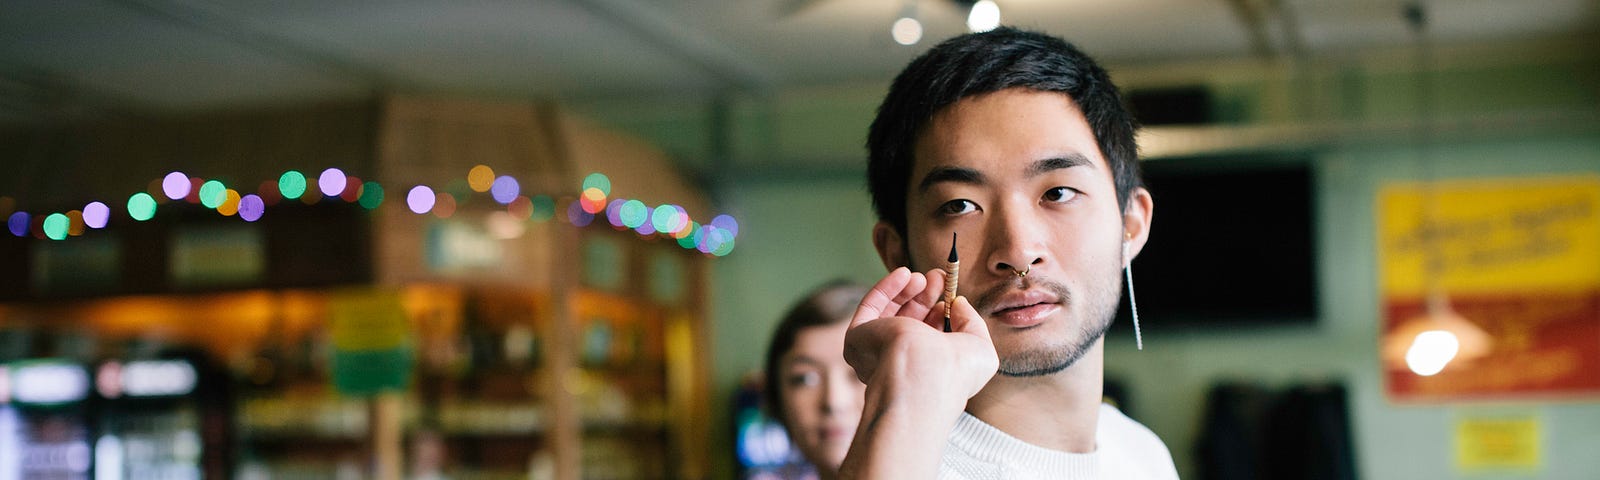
(141, 206)
(664, 218)
(292, 184)
(55, 226)
(634, 213)
(544, 208)
(371, 195)
(597, 180)
(213, 193)
(689, 241)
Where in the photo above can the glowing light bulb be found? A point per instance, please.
(1431, 351)
(985, 16)
(906, 31)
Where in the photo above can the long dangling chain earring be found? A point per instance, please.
(1138, 337)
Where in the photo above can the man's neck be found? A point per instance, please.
(1057, 411)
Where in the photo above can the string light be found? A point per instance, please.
(667, 220)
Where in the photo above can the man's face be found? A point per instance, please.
(1018, 175)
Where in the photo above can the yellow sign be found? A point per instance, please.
(1494, 237)
(1498, 443)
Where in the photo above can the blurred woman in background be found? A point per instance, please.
(809, 387)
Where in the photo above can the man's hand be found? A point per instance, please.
(918, 376)
(898, 329)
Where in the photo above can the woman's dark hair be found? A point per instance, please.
(979, 63)
(831, 303)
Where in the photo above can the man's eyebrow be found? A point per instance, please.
(950, 174)
(1058, 163)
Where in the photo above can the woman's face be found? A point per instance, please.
(821, 395)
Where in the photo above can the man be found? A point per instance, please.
(1019, 143)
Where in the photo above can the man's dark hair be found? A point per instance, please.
(979, 63)
(831, 303)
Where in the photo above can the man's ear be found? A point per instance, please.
(1136, 221)
(891, 248)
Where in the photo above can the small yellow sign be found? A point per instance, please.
(1498, 443)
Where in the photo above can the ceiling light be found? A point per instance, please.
(985, 16)
(906, 31)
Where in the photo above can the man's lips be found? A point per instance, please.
(1025, 308)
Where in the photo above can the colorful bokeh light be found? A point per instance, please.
(593, 200)
(96, 215)
(665, 219)
(505, 189)
(613, 211)
(716, 237)
(251, 207)
(480, 178)
(212, 194)
(18, 224)
(292, 184)
(599, 181)
(371, 195)
(55, 226)
(230, 203)
(141, 206)
(331, 182)
(444, 205)
(420, 199)
(634, 213)
(75, 223)
(577, 215)
(175, 185)
(544, 208)
(352, 189)
(726, 222)
(691, 235)
(268, 191)
(521, 208)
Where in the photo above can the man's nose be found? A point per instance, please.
(1019, 242)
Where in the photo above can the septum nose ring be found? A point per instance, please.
(1022, 273)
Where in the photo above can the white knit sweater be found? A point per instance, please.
(1124, 450)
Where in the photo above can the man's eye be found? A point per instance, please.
(957, 207)
(803, 379)
(1060, 194)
